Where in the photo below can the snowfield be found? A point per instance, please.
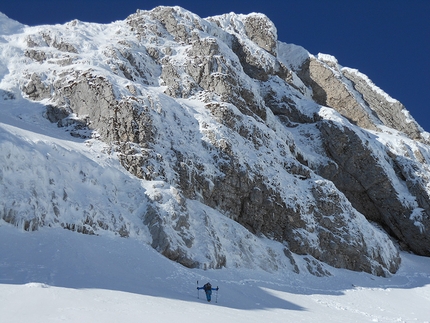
(55, 275)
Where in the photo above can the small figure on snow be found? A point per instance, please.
(208, 290)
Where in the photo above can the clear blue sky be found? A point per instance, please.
(388, 40)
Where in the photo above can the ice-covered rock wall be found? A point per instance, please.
(222, 122)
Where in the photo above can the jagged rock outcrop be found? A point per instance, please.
(368, 185)
(330, 90)
(391, 112)
(219, 116)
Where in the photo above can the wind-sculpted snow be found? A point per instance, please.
(210, 140)
(9, 26)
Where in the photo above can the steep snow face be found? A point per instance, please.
(205, 138)
(64, 182)
(9, 26)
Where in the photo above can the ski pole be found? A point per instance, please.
(216, 299)
(198, 294)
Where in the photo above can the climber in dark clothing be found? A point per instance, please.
(208, 290)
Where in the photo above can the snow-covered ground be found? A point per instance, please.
(54, 275)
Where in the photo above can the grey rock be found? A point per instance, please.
(330, 90)
(262, 32)
(37, 55)
(36, 89)
(392, 114)
(365, 182)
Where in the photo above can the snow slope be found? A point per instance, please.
(9, 26)
(54, 275)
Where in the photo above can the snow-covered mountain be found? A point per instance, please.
(210, 140)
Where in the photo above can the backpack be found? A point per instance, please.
(207, 286)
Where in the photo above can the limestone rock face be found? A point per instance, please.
(391, 112)
(330, 90)
(359, 100)
(262, 32)
(236, 137)
(367, 183)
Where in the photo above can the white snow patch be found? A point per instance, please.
(327, 58)
(9, 26)
(292, 55)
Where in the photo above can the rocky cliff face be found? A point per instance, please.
(291, 146)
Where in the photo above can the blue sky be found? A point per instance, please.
(388, 40)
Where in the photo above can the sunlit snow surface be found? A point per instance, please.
(55, 275)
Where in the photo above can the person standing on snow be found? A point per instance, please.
(208, 290)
